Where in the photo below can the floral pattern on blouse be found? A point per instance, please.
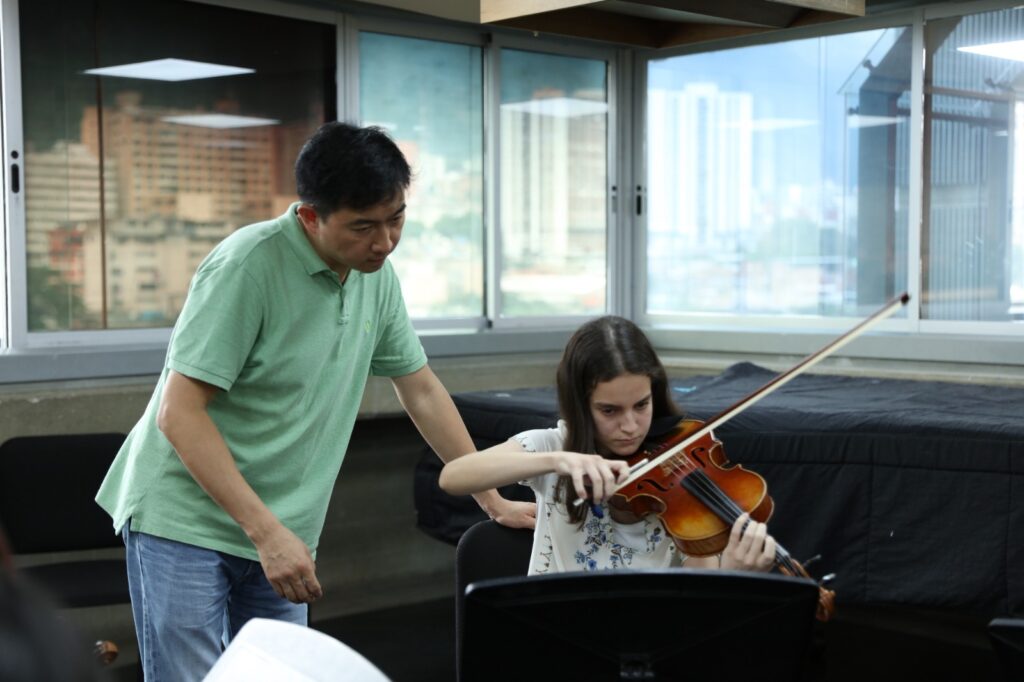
(600, 533)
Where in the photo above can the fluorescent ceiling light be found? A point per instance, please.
(169, 70)
(559, 107)
(1013, 49)
(220, 121)
(868, 121)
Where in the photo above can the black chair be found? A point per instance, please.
(1007, 637)
(487, 550)
(47, 490)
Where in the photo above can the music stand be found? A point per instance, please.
(1007, 636)
(682, 624)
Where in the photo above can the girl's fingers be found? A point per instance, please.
(739, 536)
(757, 532)
(577, 482)
(595, 477)
(621, 471)
(611, 479)
(596, 481)
(769, 552)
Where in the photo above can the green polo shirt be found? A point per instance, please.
(290, 347)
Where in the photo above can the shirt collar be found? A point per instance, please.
(296, 236)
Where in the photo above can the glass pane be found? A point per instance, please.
(552, 184)
(132, 175)
(777, 177)
(973, 241)
(429, 96)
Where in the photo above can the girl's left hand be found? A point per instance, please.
(750, 548)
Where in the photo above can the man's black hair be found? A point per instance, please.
(345, 166)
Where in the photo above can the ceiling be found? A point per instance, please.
(649, 23)
(665, 23)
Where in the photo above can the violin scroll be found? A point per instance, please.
(826, 597)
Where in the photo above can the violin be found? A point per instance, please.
(698, 496)
(686, 481)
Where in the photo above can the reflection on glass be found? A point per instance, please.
(429, 96)
(553, 178)
(130, 181)
(777, 177)
(973, 238)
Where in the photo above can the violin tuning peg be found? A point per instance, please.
(827, 578)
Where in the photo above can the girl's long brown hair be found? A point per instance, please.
(599, 351)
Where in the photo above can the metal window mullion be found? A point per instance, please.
(618, 241)
(492, 167)
(915, 183)
(638, 223)
(14, 306)
(346, 68)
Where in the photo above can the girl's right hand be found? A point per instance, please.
(602, 475)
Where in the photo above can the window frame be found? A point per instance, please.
(492, 42)
(492, 197)
(63, 355)
(117, 353)
(21, 339)
(911, 338)
(439, 32)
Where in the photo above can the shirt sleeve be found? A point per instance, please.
(539, 440)
(398, 351)
(218, 325)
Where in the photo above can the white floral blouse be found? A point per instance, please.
(558, 543)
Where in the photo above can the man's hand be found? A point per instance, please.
(289, 566)
(512, 513)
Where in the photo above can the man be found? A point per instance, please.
(221, 489)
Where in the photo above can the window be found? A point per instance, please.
(777, 177)
(151, 131)
(552, 189)
(429, 96)
(973, 236)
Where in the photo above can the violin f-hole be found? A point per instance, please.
(654, 484)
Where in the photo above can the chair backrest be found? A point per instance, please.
(48, 487)
(487, 550)
(1007, 636)
(274, 651)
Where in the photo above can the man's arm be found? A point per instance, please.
(431, 409)
(183, 419)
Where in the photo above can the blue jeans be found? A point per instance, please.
(188, 602)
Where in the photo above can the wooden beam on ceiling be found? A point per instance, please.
(678, 35)
(582, 22)
(493, 11)
(592, 24)
(590, 20)
(849, 7)
(756, 12)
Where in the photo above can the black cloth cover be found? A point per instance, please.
(912, 492)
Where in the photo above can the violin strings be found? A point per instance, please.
(694, 479)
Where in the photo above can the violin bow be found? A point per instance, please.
(778, 382)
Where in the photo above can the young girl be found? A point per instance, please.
(611, 385)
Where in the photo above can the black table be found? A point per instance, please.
(912, 492)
